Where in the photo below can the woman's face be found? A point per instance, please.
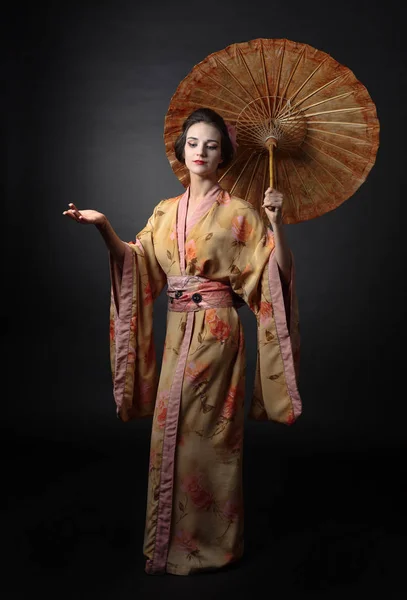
(202, 150)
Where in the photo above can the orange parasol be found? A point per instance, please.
(304, 124)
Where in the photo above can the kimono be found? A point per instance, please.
(212, 261)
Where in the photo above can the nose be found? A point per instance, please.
(201, 150)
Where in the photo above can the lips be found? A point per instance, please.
(199, 162)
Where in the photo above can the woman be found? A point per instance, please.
(214, 253)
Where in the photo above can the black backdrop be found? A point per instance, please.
(88, 87)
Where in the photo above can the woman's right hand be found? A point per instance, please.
(87, 217)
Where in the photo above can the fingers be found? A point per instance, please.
(272, 204)
(273, 200)
(275, 210)
(73, 213)
(70, 214)
(271, 192)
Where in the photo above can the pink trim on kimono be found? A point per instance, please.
(277, 300)
(159, 561)
(202, 208)
(186, 219)
(122, 291)
(165, 500)
(208, 291)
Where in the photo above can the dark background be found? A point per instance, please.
(87, 89)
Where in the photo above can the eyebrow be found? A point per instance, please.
(194, 138)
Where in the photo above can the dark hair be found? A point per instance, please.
(205, 115)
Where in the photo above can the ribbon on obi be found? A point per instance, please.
(190, 293)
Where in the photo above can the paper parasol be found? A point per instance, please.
(305, 125)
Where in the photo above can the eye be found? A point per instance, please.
(191, 144)
(212, 147)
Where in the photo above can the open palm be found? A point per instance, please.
(90, 217)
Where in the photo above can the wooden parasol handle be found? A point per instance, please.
(271, 143)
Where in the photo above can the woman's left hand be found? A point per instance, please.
(273, 203)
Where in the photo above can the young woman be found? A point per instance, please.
(214, 253)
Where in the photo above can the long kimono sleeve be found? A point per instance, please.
(134, 288)
(255, 277)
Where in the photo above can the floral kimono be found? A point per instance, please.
(213, 261)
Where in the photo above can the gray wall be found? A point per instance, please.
(88, 88)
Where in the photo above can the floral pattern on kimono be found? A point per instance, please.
(194, 518)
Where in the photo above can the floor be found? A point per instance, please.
(319, 524)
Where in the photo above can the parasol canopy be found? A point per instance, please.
(305, 125)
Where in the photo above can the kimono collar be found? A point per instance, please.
(187, 219)
(194, 215)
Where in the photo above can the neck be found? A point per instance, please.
(200, 186)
